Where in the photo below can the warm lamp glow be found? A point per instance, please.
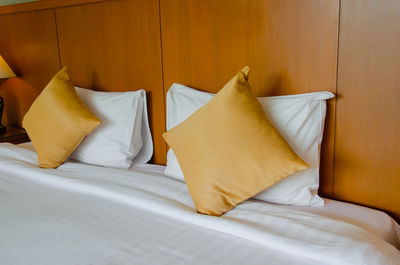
(5, 70)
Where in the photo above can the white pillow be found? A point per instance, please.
(299, 118)
(123, 138)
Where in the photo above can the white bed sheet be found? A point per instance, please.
(81, 214)
(374, 221)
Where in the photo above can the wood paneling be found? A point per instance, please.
(290, 46)
(367, 167)
(28, 43)
(116, 46)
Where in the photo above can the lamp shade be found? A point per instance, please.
(5, 70)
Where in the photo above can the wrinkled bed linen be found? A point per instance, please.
(377, 222)
(82, 214)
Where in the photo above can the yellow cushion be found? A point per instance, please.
(229, 151)
(58, 121)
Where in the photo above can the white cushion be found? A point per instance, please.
(299, 118)
(123, 138)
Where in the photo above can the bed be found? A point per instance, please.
(84, 214)
(90, 212)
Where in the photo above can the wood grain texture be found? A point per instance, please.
(367, 167)
(28, 43)
(290, 46)
(116, 46)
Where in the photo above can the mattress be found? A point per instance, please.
(82, 214)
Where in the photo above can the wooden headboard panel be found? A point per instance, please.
(28, 43)
(348, 47)
(108, 46)
(367, 159)
(290, 46)
(115, 46)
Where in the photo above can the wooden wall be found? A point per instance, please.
(290, 46)
(115, 46)
(348, 47)
(28, 43)
(108, 45)
(367, 159)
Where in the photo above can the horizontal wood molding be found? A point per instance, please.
(44, 4)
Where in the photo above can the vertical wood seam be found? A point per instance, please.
(57, 37)
(336, 99)
(162, 70)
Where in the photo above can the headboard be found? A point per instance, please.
(206, 42)
(347, 47)
(108, 46)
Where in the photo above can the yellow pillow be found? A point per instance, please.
(58, 121)
(229, 151)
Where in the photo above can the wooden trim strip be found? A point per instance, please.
(43, 4)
